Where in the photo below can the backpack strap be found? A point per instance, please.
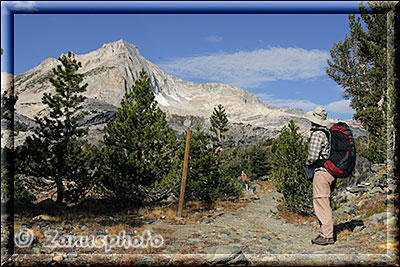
(320, 162)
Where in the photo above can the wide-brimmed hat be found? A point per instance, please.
(318, 116)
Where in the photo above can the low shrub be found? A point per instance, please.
(288, 161)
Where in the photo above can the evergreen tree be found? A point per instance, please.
(206, 180)
(219, 122)
(138, 148)
(53, 153)
(80, 164)
(8, 100)
(202, 170)
(227, 186)
(253, 160)
(288, 161)
(257, 162)
(359, 66)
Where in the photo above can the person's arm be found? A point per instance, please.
(314, 148)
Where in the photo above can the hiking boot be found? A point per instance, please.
(319, 240)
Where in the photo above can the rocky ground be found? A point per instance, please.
(254, 230)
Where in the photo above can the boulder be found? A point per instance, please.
(363, 165)
(227, 254)
(375, 190)
(377, 216)
(248, 192)
(344, 196)
(207, 220)
(255, 188)
(349, 209)
(363, 178)
(362, 172)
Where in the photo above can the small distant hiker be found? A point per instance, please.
(244, 179)
(323, 181)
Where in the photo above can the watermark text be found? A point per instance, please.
(54, 239)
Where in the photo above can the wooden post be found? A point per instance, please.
(184, 173)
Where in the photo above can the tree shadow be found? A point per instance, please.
(338, 228)
(90, 208)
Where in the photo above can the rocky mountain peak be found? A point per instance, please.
(119, 46)
(121, 43)
(113, 68)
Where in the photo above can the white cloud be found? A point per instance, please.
(341, 106)
(250, 69)
(287, 103)
(23, 5)
(213, 39)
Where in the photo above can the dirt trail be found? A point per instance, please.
(251, 234)
(259, 230)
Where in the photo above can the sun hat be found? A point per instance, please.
(318, 116)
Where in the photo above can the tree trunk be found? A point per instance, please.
(60, 190)
(220, 141)
(59, 178)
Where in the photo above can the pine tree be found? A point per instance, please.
(8, 100)
(288, 161)
(206, 179)
(359, 66)
(202, 170)
(138, 148)
(53, 152)
(257, 162)
(219, 122)
(253, 160)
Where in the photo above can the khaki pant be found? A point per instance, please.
(323, 184)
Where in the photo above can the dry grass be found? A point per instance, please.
(37, 232)
(267, 185)
(96, 216)
(389, 246)
(192, 250)
(288, 216)
(345, 233)
(118, 228)
(372, 207)
(380, 228)
(292, 217)
(192, 213)
(46, 217)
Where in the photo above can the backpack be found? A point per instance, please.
(342, 156)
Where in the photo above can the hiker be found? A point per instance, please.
(244, 179)
(323, 181)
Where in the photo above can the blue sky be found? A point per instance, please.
(281, 58)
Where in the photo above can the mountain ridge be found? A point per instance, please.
(112, 69)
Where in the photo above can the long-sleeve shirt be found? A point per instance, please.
(318, 146)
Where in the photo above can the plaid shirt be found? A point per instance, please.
(318, 146)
